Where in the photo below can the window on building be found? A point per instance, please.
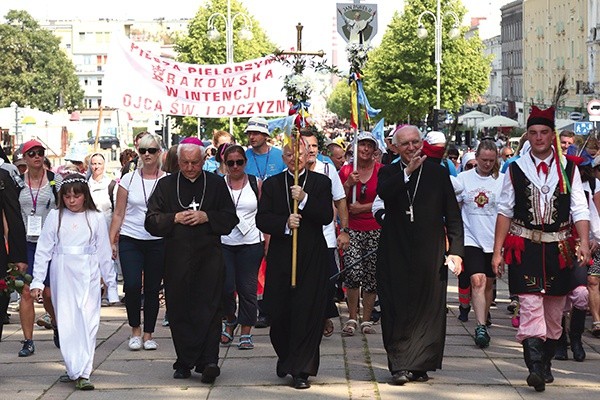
(99, 82)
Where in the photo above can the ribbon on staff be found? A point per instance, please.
(353, 104)
(363, 101)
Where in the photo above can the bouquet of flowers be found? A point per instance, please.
(14, 281)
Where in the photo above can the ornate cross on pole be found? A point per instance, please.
(298, 68)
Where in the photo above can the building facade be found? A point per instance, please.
(493, 95)
(512, 60)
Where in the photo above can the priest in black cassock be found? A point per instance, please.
(191, 210)
(420, 213)
(296, 314)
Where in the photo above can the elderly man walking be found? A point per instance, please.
(421, 212)
(191, 210)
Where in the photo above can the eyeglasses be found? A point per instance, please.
(151, 150)
(470, 166)
(509, 155)
(363, 191)
(33, 153)
(231, 163)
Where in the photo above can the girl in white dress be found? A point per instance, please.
(75, 238)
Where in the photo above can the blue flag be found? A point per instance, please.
(378, 134)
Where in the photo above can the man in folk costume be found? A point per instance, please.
(297, 314)
(191, 210)
(540, 201)
(421, 212)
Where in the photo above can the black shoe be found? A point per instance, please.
(280, 372)
(6, 320)
(210, 373)
(418, 376)
(400, 378)
(488, 321)
(262, 322)
(182, 373)
(28, 348)
(464, 313)
(301, 383)
(55, 337)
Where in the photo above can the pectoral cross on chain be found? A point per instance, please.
(193, 205)
(411, 213)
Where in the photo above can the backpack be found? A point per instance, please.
(50, 176)
(254, 185)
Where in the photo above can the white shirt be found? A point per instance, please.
(579, 207)
(246, 206)
(137, 204)
(100, 195)
(478, 196)
(338, 193)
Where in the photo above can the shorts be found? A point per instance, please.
(594, 269)
(361, 274)
(477, 262)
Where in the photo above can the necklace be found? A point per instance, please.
(193, 205)
(261, 175)
(228, 180)
(144, 186)
(411, 200)
(287, 187)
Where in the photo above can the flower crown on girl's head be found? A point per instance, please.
(72, 180)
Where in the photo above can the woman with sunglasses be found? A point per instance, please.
(364, 234)
(243, 249)
(37, 198)
(141, 254)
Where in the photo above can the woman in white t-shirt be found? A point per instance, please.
(141, 254)
(477, 191)
(242, 249)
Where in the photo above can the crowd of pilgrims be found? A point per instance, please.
(448, 198)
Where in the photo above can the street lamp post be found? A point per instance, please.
(422, 34)
(214, 34)
(16, 107)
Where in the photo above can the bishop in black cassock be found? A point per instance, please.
(420, 213)
(191, 210)
(297, 315)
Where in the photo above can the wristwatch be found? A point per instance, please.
(345, 230)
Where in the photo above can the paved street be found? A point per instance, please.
(351, 368)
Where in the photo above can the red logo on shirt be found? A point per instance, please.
(481, 199)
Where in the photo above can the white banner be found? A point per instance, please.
(137, 80)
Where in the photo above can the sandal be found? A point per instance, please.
(596, 328)
(226, 337)
(367, 328)
(246, 342)
(65, 378)
(328, 329)
(84, 384)
(349, 327)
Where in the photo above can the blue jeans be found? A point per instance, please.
(241, 274)
(142, 258)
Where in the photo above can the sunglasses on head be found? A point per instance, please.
(151, 150)
(38, 152)
(231, 163)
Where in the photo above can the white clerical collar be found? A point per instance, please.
(299, 173)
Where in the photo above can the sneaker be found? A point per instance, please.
(464, 313)
(513, 305)
(104, 302)
(150, 344)
(165, 321)
(135, 343)
(262, 322)
(28, 348)
(44, 321)
(482, 338)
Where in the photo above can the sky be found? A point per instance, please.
(277, 17)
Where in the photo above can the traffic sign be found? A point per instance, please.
(576, 116)
(593, 108)
(583, 128)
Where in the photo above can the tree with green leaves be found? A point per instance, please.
(34, 71)
(197, 48)
(400, 76)
(338, 101)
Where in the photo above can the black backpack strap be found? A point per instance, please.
(111, 191)
(50, 176)
(253, 184)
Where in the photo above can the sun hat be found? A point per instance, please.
(257, 124)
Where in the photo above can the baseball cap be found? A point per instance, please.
(30, 145)
(366, 135)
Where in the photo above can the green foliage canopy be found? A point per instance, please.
(400, 76)
(34, 71)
